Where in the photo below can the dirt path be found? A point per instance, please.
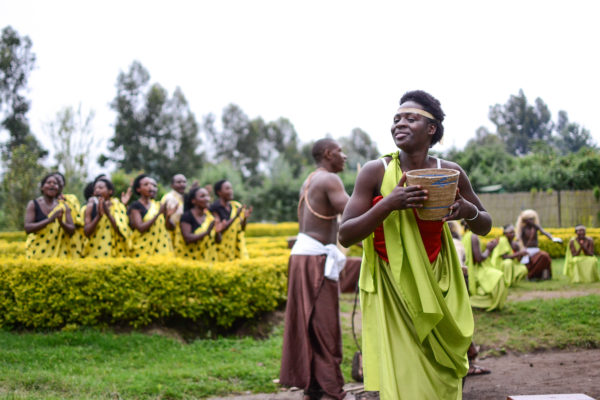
(549, 372)
(538, 373)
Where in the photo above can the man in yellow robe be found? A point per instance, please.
(174, 199)
(486, 284)
(506, 257)
(581, 265)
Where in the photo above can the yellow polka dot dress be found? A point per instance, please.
(106, 241)
(74, 242)
(50, 241)
(202, 250)
(233, 242)
(155, 240)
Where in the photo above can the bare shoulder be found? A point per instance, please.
(370, 176)
(451, 165)
(374, 168)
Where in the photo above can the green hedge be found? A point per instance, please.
(58, 293)
(280, 229)
(18, 236)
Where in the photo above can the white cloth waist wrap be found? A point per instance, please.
(531, 251)
(307, 246)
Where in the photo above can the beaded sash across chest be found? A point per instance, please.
(304, 198)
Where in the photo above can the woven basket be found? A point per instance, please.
(441, 184)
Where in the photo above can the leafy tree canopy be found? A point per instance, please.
(153, 132)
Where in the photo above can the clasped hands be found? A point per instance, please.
(404, 197)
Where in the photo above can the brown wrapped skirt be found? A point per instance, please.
(312, 338)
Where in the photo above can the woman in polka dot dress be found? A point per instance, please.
(48, 222)
(200, 230)
(149, 221)
(106, 223)
(233, 223)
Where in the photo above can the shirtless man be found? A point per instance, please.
(312, 340)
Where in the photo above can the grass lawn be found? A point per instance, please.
(95, 364)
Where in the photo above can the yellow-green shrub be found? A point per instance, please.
(52, 293)
(280, 229)
(267, 243)
(12, 249)
(18, 236)
(258, 252)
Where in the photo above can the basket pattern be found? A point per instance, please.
(441, 184)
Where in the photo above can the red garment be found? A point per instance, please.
(431, 234)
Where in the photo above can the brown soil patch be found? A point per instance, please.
(549, 372)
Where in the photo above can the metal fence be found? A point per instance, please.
(556, 209)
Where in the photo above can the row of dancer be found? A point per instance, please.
(516, 255)
(184, 224)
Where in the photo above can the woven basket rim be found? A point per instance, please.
(444, 172)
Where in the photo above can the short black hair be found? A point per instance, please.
(64, 182)
(173, 177)
(218, 184)
(189, 196)
(137, 181)
(107, 182)
(45, 178)
(507, 227)
(320, 146)
(430, 104)
(88, 190)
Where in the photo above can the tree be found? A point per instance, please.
(518, 123)
(253, 146)
(571, 136)
(152, 132)
(238, 141)
(73, 140)
(484, 159)
(359, 148)
(20, 183)
(282, 143)
(184, 151)
(16, 62)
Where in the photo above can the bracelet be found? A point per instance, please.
(475, 217)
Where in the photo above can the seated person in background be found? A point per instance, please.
(539, 263)
(149, 221)
(507, 255)
(487, 288)
(580, 263)
(106, 223)
(233, 217)
(473, 351)
(199, 228)
(48, 222)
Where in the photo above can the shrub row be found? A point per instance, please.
(279, 229)
(18, 236)
(11, 249)
(257, 247)
(57, 293)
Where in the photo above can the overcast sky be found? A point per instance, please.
(327, 66)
